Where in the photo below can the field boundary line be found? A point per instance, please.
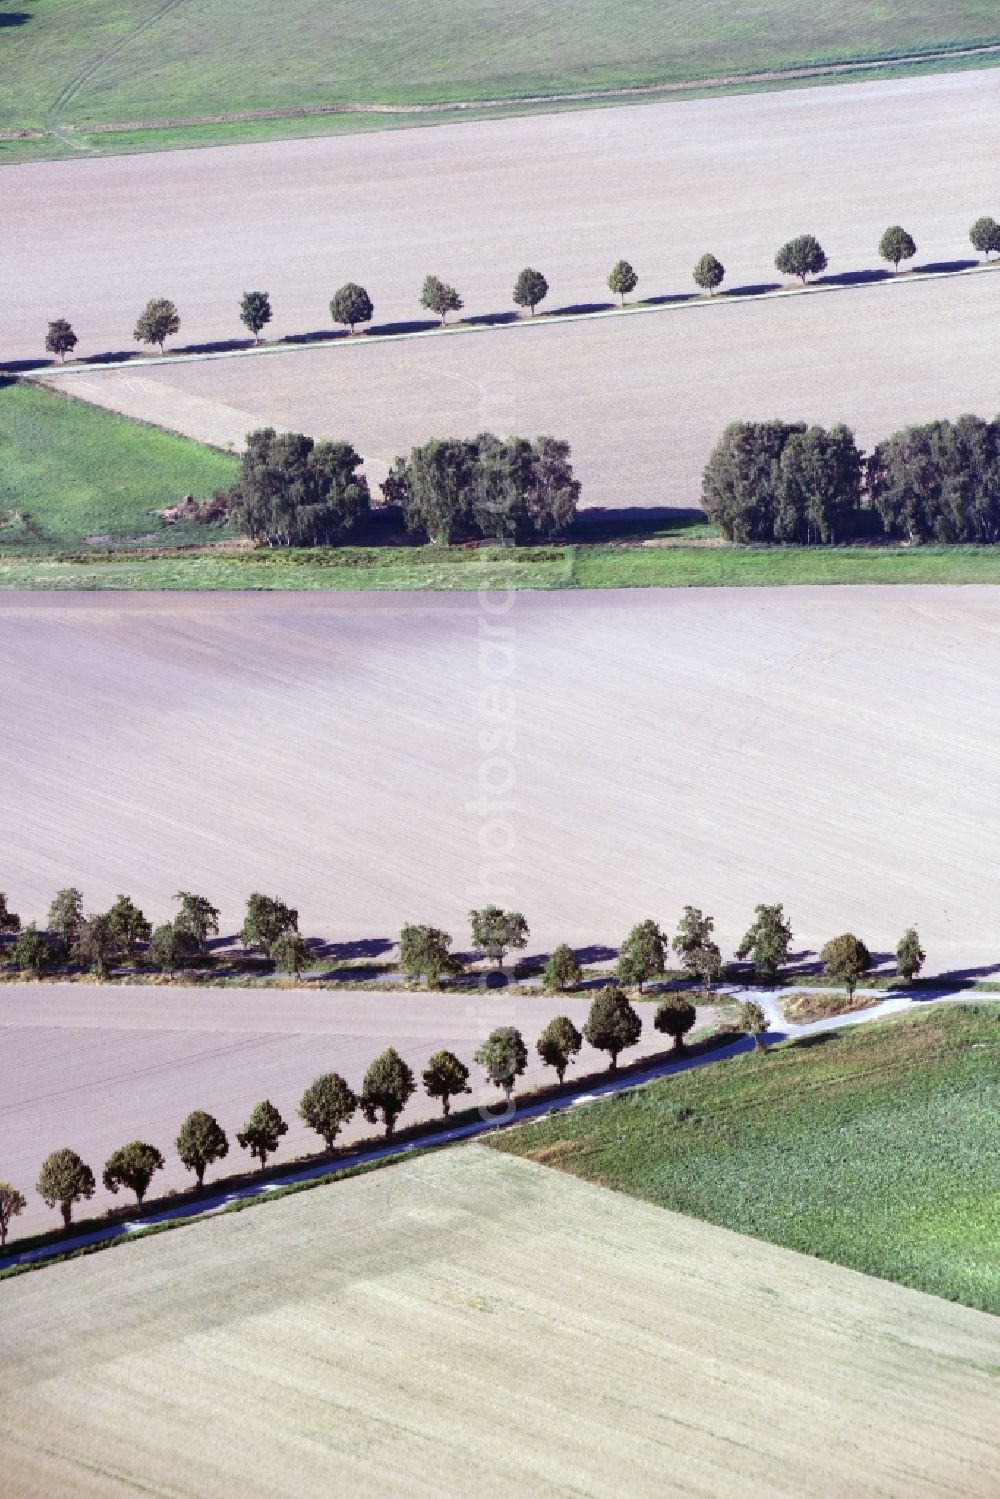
(886, 1004)
(453, 330)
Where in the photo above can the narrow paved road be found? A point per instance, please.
(779, 1030)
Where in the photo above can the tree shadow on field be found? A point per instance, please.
(12, 367)
(14, 18)
(319, 335)
(490, 319)
(818, 1038)
(578, 309)
(110, 356)
(365, 947)
(854, 278)
(219, 346)
(595, 954)
(752, 291)
(945, 267)
(671, 300)
(601, 523)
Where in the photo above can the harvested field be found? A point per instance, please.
(641, 399)
(472, 1324)
(92, 1067)
(831, 748)
(473, 202)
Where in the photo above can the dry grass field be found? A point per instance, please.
(473, 1324)
(473, 202)
(641, 399)
(94, 1067)
(831, 748)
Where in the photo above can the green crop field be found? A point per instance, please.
(876, 1147)
(69, 470)
(66, 61)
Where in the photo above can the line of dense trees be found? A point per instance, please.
(613, 1025)
(293, 491)
(351, 305)
(108, 940)
(780, 481)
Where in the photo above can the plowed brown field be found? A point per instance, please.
(641, 399)
(472, 1324)
(473, 202)
(831, 748)
(94, 1067)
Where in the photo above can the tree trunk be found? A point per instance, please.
(66, 1208)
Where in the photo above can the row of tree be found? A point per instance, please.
(329, 1103)
(351, 304)
(271, 928)
(293, 491)
(780, 481)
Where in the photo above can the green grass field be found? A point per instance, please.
(876, 1147)
(67, 61)
(69, 470)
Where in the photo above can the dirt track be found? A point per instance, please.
(472, 1324)
(472, 202)
(641, 399)
(832, 748)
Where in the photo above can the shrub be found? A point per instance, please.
(783, 482)
(201, 1141)
(293, 492)
(33, 953)
(530, 288)
(845, 960)
(262, 1132)
(423, 951)
(495, 932)
(64, 1180)
(622, 280)
(675, 1015)
(896, 245)
(985, 236)
(132, 1166)
(255, 312)
(641, 955)
(503, 1056)
(444, 1077)
(12, 1204)
(561, 971)
(753, 1022)
(351, 305)
(709, 273)
(174, 946)
(801, 257)
(60, 338)
(387, 1088)
(158, 321)
(437, 296)
(267, 919)
(327, 1105)
(558, 1044)
(612, 1024)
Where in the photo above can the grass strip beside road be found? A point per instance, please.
(437, 569)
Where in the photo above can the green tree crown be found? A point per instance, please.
(558, 1044)
(351, 304)
(64, 1180)
(503, 1056)
(612, 1024)
(801, 257)
(327, 1105)
(263, 1131)
(387, 1088)
(158, 321)
(200, 1143)
(530, 288)
(132, 1166)
(445, 1077)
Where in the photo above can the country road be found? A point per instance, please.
(883, 1005)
